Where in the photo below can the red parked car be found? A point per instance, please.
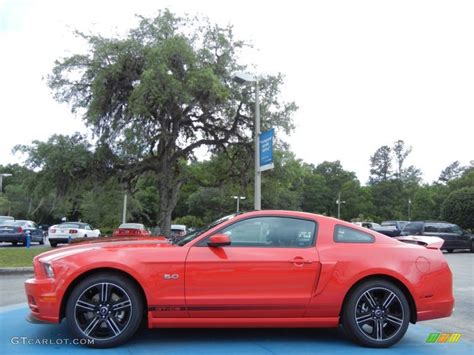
(258, 269)
(131, 230)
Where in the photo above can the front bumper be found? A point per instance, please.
(43, 300)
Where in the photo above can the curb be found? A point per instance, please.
(16, 270)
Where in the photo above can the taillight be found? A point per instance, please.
(20, 230)
(52, 231)
(72, 231)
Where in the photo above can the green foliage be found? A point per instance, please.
(165, 89)
(458, 207)
(189, 221)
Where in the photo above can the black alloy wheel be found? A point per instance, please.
(106, 308)
(376, 314)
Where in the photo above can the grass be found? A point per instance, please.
(19, 257)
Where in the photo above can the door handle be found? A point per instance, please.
(300, 261)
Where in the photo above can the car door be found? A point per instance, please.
(36, 233)
(461, 239)
(269, 270)
(442, 231)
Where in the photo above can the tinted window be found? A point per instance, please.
(450, 228)
(69, 225)
(20, 223)
(413, 228)
(432, 228)
(344, 234)
(280, 232)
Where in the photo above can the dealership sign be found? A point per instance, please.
(266, 150)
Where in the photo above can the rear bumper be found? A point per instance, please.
(64, 240)
(19, 238)
(440, 309)
(435, 299)
(43, 301)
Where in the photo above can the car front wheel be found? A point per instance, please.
(106, 309)
(376, 314)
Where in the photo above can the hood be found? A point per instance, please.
(110, 243)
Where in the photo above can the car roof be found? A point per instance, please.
(178, 226)
(131, 225)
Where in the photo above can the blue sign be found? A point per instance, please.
(266, 150)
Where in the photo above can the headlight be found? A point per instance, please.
(48, 270)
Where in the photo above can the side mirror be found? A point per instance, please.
(219, 240)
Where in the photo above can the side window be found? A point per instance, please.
(451, 228)
(88, 227)
(343, 234)
(431, 228)
(413, 228)
(280, 232)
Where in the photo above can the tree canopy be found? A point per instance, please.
(162, 91)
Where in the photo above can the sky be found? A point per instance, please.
(363, 73)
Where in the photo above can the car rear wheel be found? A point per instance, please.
(14, 244)
(450, 250)
(106, 309)
(53, 244)
(376, 314)
(41, 241)
(472, 246)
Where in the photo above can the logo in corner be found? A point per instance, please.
(443, 338)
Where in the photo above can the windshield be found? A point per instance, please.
(71, 225)
(193, 235)
(18, 223)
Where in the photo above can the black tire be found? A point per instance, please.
(378, 322)
(14, 244)
(472, 246)
(41, 242)
(449, 250)
(106, 308)
(53, 244)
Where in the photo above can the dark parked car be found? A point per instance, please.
(45, 228)
(18, 231)
(454, 236)
(391, 228)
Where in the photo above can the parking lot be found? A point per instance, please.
(16, 332)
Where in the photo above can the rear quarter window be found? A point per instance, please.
(343, 234)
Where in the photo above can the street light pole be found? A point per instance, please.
(124, 214)
(338, 201)
(409, 209)
(238, 198)
(258, 176)
(242, 78)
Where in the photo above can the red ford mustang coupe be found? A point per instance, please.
(258, 269)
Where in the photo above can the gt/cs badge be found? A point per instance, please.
(171, 276)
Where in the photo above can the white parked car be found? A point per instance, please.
(178, 231)
(64, 232)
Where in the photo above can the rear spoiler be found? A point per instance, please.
(428, 242)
